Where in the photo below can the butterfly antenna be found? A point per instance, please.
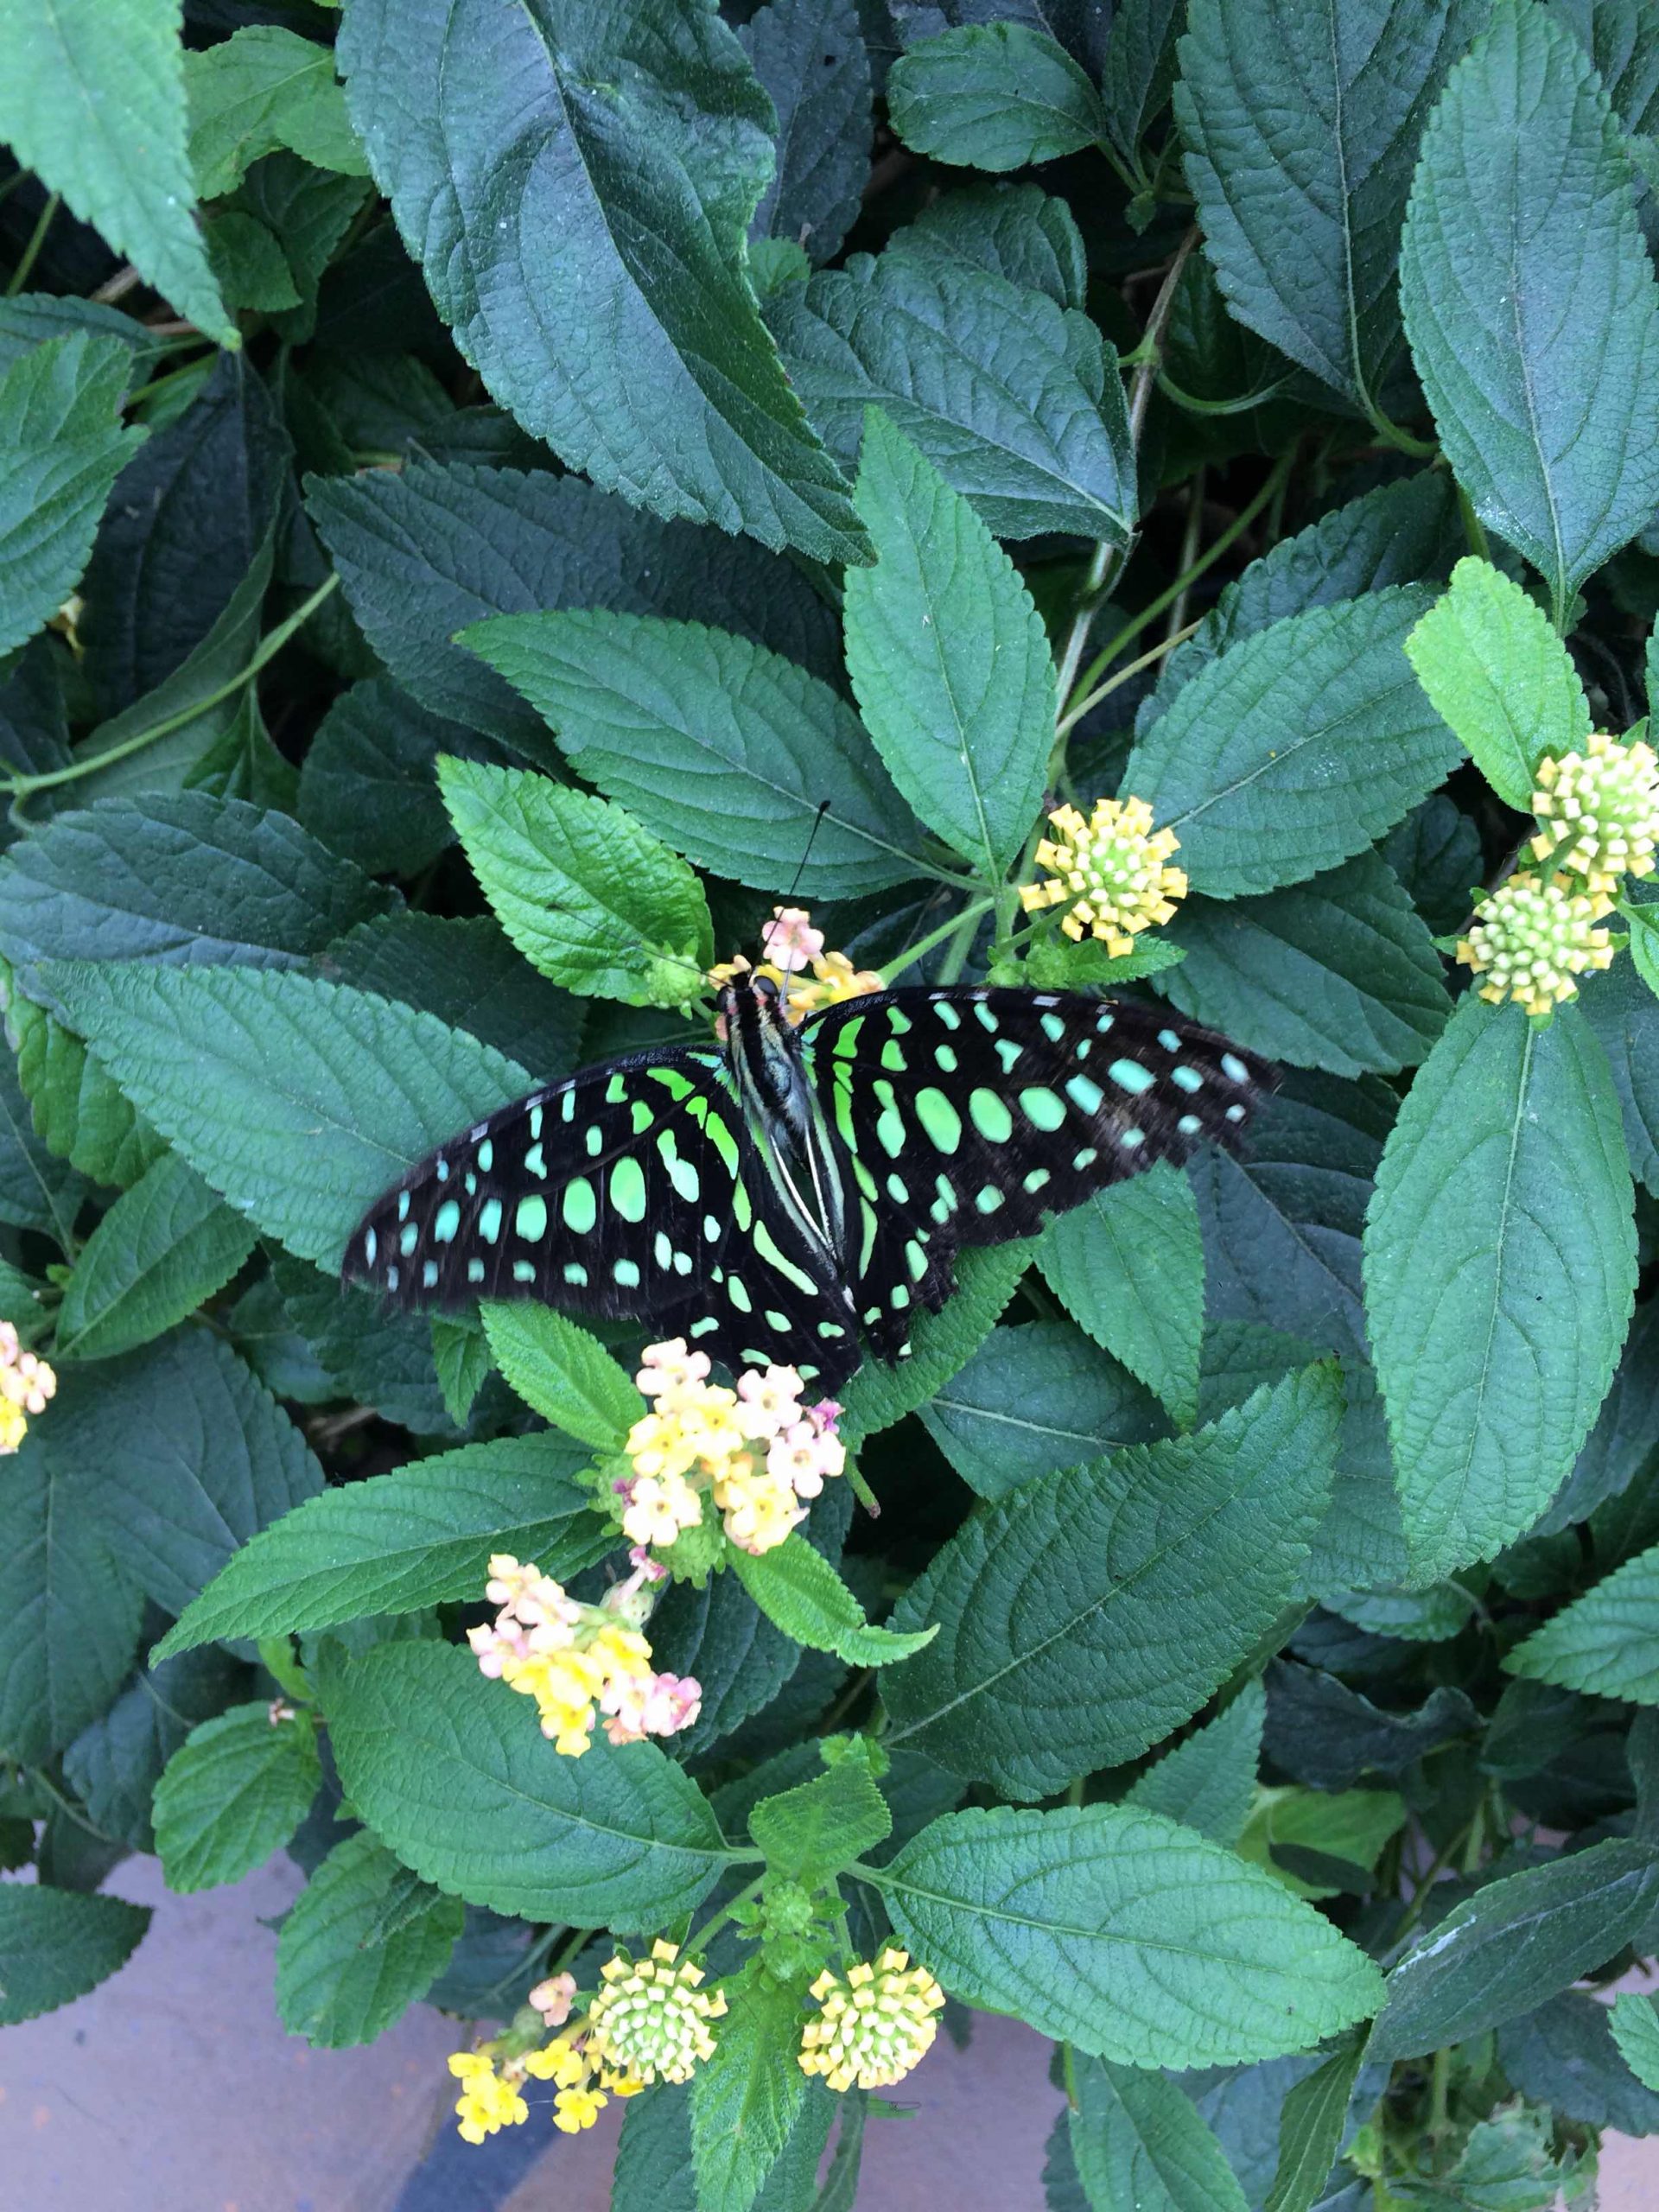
(800, 867)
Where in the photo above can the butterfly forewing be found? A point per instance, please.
(971, 1116)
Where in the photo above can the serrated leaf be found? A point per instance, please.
(62, 445)
(1500, 1265)
(261, 88)
(1033, 1399)
(949, 657)
(94, 104)
(940, 1343)
(1518, 1941)
(562, 1373)
(55, 1945)
(1569, 2054)
(1624, 1014)
(1338, 972)
(1014, 397)
(809, 56)
(1138, 2139)
(1606, 1643)
(371, 1353)
(421, 1535)
(1075, 1920)
(1017, 232)
(1115, 1597)
(68, 1616)
(1635, 2031)
(1138, 70)
(1301, 201)
(114, 1765)
(367, 786)
(1296, 748)
(241, 1070)
(450, 1770)
(427, 551)
(1311, 2129)
(342, 1977)
(1522, 198)
(1494, 668)
(460, 1353)
(812, 1831)
(993, 95)
(36, 1189)
(163, 1247)
(751, 2100)
(631, 214)
(800, 1592)
(1206, 1783)
(1128, 1265)
(1436, 853)
(587, 895)
(234, 1792)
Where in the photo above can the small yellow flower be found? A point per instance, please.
(26, 1383)
(1599, 810)
(651, 2019)
(757, 1506)
(488, 2100)
(575, 2109)
(1529, 940)
(874, 2026)
(1109, 870)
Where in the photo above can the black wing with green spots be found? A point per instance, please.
(776, 1203)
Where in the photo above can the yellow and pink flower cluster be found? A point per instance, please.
(26, 1383)
(791, 947)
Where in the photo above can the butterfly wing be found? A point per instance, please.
(971, 1116)
(633, 1192)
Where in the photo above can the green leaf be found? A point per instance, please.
(1033, 1399)
(1116, 1930)
(364, 1940)
(1605, 1642)
(1492, 664)
(181, 879)
(812, 1831)
(451, 1772)
(262, 88)
(425, 550)
(1138, 2139)
(421, 1535)
(1301, 201)
(632, 214)
(68, 1616)
(233, 1793)
(1311, 2130)
(368, 1352)
(1516, 1942)
(1624, 1014)
(714, 742)
(748, 2100)
(1500, 1265)
(1014, 399)
(993, 95)
(1523, 200)
(94, 104)
(163, 1249)
(1128, 1265)
(54, 1946)
(587, 895)
(299, 1101)
(367, 789)
(114, 1765)
(797, 1588)
(1295, 749)
(1569, 2054)
(562, 1373)
(1336, 1840)
(1115, 1597)
(940, 1343)
(1635, 2031)
(949, 657)
(61, 447)
(77, 1110)
(1206, 1783)
(36, 1190)
(460, 1353)
(1338, 972)
(809, 56)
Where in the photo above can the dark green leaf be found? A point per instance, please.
(1206, 1783)
(1605, 1643)
(1128, 1265)
(113, 1766)
(234, 1793)
(36, 1190)
(1311, 2130)
(1016, 232)
(940, 1342)
(993, 95)
(1622, 1438)
(1436, 852)
(809, 56)
(1328, 1735)
(1138, 71)
(55, 1946)
(366, 1938)
(1572, 2053)
(370, 1352)
(368, 788)
(1138, 2141)
(161, 1249)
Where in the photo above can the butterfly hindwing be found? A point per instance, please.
(973, 1115)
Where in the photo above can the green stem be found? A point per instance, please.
(962, 943)
(695, 1946)
(1474, 529)
(1074, 715)
(20, 275)
(924, 945)
(20, 787)
(1402, 441)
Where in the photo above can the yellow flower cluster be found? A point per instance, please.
(874, 2026)
(792, 946)
(1530, 940)
(573, 1658)
(488, 2101)
(757, 1449)
(492, 2079)
(1112, 871)
(26, 1383)
(651, 2019)
(1599, 810)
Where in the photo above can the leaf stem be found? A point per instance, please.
(696, 1944)
(1121, 675)
(20, 275)
(924, 945)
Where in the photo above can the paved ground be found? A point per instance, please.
(173, 2090)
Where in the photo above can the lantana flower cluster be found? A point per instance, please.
(1532, 937)
(1111, 871)
(757, 1451)
(792, 947)
(26, 1383)
(874, 2025)
(575, 1659)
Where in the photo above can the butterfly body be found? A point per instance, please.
(802, 1194)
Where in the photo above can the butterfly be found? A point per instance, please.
(802, 1195)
